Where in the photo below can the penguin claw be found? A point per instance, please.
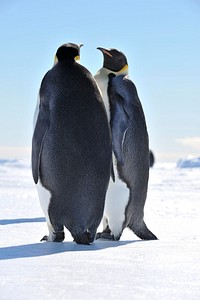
(45, 238)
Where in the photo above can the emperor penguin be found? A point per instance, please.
(126, 197)
(71, 149)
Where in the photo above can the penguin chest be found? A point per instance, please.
(102, 82)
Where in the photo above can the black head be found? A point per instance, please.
(114, 59)
(70, 52)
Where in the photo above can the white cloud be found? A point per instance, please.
(193, 142)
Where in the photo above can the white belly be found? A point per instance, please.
(117, 198)
(44, 197)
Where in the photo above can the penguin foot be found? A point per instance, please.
(105, 235)
(57, 237)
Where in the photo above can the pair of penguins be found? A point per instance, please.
(81, 173)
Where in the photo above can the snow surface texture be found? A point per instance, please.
(128, 269)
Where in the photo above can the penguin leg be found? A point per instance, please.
(106, 234)
(56, 234)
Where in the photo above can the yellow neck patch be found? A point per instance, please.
(77, 58)
(124, 70)
(55, 60)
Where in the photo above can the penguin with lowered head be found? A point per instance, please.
(126, 197)
(71, 149)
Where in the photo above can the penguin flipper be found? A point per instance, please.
(39, 134)
(119, 125)
(112, 173)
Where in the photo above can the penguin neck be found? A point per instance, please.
(75, 60)
(102, 81)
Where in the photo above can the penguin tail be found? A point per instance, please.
(84, 238)
(143, 232)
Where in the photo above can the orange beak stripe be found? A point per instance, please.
(106, 52)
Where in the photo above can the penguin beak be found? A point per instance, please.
(105, 51)
(80, 45)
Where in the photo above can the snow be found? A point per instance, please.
(129, 269)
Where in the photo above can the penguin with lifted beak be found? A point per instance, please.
(71, 149)
(125, 199)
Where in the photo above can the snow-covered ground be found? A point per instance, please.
(129, 269)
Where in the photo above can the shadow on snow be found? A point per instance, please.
(22, 220)
(43, 249)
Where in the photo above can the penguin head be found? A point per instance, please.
(114, 61)
(68, 52)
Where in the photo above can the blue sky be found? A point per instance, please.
(161, 39)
